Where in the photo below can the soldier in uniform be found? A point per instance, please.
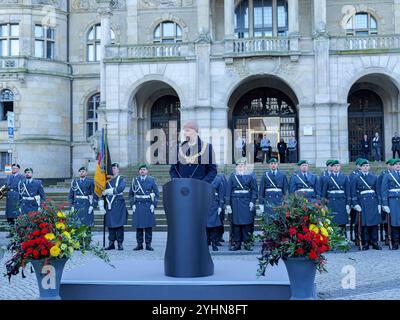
(304, 182)
(353, 212)
(391, 201)
(273, 188)
(240, 199)
(336, 189)
(31, 192)
(195, 158)
(365, 201)
(12, 201)
(113, 206)
(384, 224)
(81, 197)
(325, 174)
(143, 198)
(222, 215)
(214, 215)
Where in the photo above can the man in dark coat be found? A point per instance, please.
(353, 212)
(365, 201)
(336, 189)
(12, 202)
(365, 146)
(31, 193)
(273, 188)
(195, 158)
(304, 182)
(143, 198)
(113, 206)
(391, 201)
(240, 199)
(282, 148)
(214, 221)
(81, 197)
(396, 145)
(326, 173)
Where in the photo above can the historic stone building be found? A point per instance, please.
(327, 71)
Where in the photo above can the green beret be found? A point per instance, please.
(328, 163)
(395, 161)
(273, 160)
(358, 161)
(143, 165)
(82, 168)
(333, 162)
(362, 162)
(115, 164)
(241, 160)
(302, 162)
(390, 161)
(28, 169)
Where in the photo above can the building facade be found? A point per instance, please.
(325, 71)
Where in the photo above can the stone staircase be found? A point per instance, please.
(57, 189)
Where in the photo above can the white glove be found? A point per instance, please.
(152, 208)
(386, 209)
(262, 209)
(379, 209)
(357, 208)
(101, 207)
(72, 209)
(108, 192)
(348, 209)
(37, 198)
(134, 208)
(251, 206)
(219, 211)
(90, 211)
(228, 209)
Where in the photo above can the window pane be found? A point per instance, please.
(39, 44)
(168, 29)
(258, 18)
(4, 30)
(373, 23)
(98, 32)
(282, 16)
(350, 24)
(39, 32)
(178, 31)
(89, 129)
(157, 33)
(50, 50)
(91, 34)
(4, 47)
(15, 30)
(268, 17)
(361, 21)
(50, 33)
(90, 52)
(15, 47)
(98, 54)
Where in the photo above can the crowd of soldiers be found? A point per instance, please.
(362, 197)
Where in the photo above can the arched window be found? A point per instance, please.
(268, 18)
(93, 42)
(361, 24)
(167, 32)
(6, 103)
(91, 115)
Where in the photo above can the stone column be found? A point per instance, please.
(229, 12)
(319, 16)
(203, 16)
(132, 21)
(294, 29)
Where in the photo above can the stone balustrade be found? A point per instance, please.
(360, 43)
(260, 45)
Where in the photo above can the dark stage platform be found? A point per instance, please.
(145, 280)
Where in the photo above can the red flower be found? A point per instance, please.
(292, 231)
(305, 218)
(35, 253)
(313, 255)
(300, 251)
(36, 232)
(287, 214)
(44, 252)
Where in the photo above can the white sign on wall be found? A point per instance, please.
(308, 130)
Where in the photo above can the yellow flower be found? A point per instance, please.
(73, 231)
(60, 225)
(61, 214)
(67, 234)
(324, 232)
(314, 228)
(55, 251)
(58, 243)
(50, 236)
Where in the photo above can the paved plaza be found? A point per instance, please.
(353, 275)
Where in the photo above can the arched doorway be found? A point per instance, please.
(165, 115)
(365, 116)
(265, 110)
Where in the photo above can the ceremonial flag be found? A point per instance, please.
(103, 169)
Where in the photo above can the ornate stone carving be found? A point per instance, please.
(8, 1)
(166, 3)
(94, 4)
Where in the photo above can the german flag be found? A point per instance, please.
(103, 169)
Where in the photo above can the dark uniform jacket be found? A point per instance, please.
(12, 202)
(31, 195)
(81, 197)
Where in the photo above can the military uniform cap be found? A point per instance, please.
(241, 160)
(273, 160)
(143, 165)
(362, 162)
(28, 169)
(82, 168)
(328, 163)
(16, 165)
(302, 162)
(395, 161)
(115, 164)
(333, 162)
(390, 161)
(358, 161)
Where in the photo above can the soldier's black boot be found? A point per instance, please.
(214, 246)
(376, 246)
(120, 247)
(148, 247)
(138, 247)
(386, 240)
(236, 247)
(111, 246)
(219, 244)
(395, 246)
(365, 246)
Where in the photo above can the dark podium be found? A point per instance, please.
(186, 204)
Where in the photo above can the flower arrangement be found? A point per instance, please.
(300, 228)
(48, 234)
